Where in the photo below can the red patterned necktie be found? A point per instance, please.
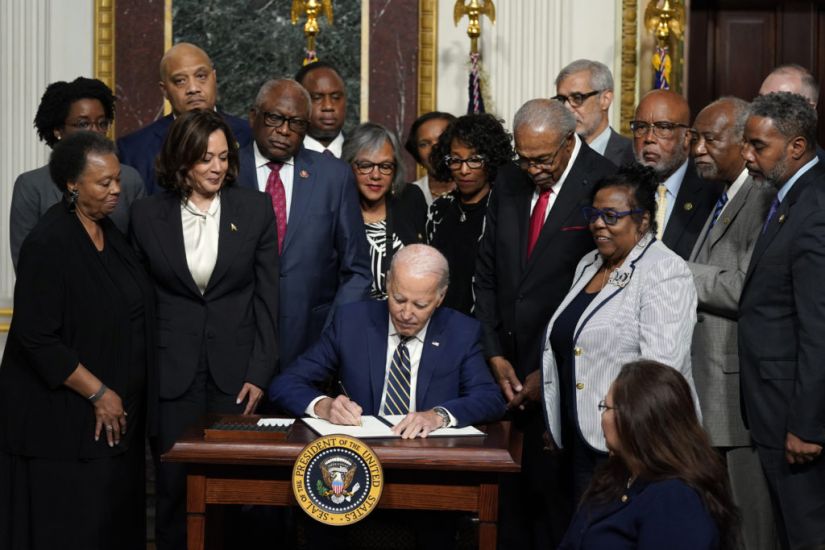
(537, 220)
(276, 192)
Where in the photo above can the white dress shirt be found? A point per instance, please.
(335, 146)
(673, 184)
(557, 186)
(262, 172)
(200, 239)
(599, 144)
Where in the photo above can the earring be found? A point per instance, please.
(73, 196)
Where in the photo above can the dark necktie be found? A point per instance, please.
(398, 381)
(537, 220)
(277, 193)
(771, 213)
(720, 204)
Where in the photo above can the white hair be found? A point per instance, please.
(420, 260)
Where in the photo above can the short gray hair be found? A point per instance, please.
(368, 138)
(792, 115)
(545, 114)
(740, 110)
(267, 87)
(422, 259)
(601, 78)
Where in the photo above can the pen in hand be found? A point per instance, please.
(346, 394)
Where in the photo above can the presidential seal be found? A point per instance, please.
(337, 480)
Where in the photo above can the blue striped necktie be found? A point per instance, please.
(398, 381)
(720, 204)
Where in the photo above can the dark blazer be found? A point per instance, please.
(140, 148)
(663, 514)
(619, 149)
(68, 310)
(694, 203)
(452, 372)
(408, 209)
(325, 259)
(235, 320)
(782, 320)
(515, 298)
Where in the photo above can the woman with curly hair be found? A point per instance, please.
(663, 486)
(84, 104)
(469, 153)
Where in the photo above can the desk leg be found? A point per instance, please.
(487, 516)
(195, 512)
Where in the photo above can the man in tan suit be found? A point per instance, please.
(719, 262)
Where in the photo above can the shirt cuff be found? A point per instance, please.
(310, 410)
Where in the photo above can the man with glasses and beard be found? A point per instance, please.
(534, 235)
(661, 140)
(782, 316)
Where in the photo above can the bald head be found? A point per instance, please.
(794, 79)
(188, 79)
(660, 137)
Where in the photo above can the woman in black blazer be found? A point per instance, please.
(76, 370)
(212, 250)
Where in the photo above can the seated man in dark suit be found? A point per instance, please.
(402, 356)
(189, 81)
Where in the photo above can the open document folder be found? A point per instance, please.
(381, 426)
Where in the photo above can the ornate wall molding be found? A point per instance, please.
(427, 55)
(630, 58)
(104, 44)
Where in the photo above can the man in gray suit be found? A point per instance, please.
(719, 262)
(585, 87)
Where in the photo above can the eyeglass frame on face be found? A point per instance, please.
(662, 129)
(366, 167)
(475, 162)
(86, 125)
(575, 99)
(526, 163)
(592, 214)
(271, 120)
(603, 406)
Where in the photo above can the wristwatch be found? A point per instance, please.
(445, 416)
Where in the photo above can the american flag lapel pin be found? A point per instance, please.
(781, 218)
(436, 344)
(304, 174)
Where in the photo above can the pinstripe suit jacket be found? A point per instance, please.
(719, 263)
(650, 317)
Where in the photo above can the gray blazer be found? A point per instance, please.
(719, 262)
(646, 311)
(35, 192)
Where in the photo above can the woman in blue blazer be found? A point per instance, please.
(211, 249)
(663, 486)
(632, 298)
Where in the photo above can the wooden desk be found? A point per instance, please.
(440, 473)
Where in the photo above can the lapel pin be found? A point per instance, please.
(726, 221)
(233, 227)
(688, 206)
(304, 174)
(781, 218)
(436, 344)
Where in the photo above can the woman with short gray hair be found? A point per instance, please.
(374, 154)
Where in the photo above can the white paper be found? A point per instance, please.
(374, 427)
(394, 419)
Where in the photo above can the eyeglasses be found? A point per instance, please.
(661, 129)
(603, 406)
(275, 120)
(473, 163)
(366, 167)
(610, 217)
(575, 99)
(543, 163)
(86, 125)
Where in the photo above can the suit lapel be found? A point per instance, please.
(231, 232)
(729, 214)
(430, 357)
(169, 232)
(684, 207)
(303, 186)
(377, 337)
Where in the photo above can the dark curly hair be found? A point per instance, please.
(642, 182)
(58, 98)
(661, 438)
(411, 145)
(185, 146)
(482, 132)
(68, 159)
